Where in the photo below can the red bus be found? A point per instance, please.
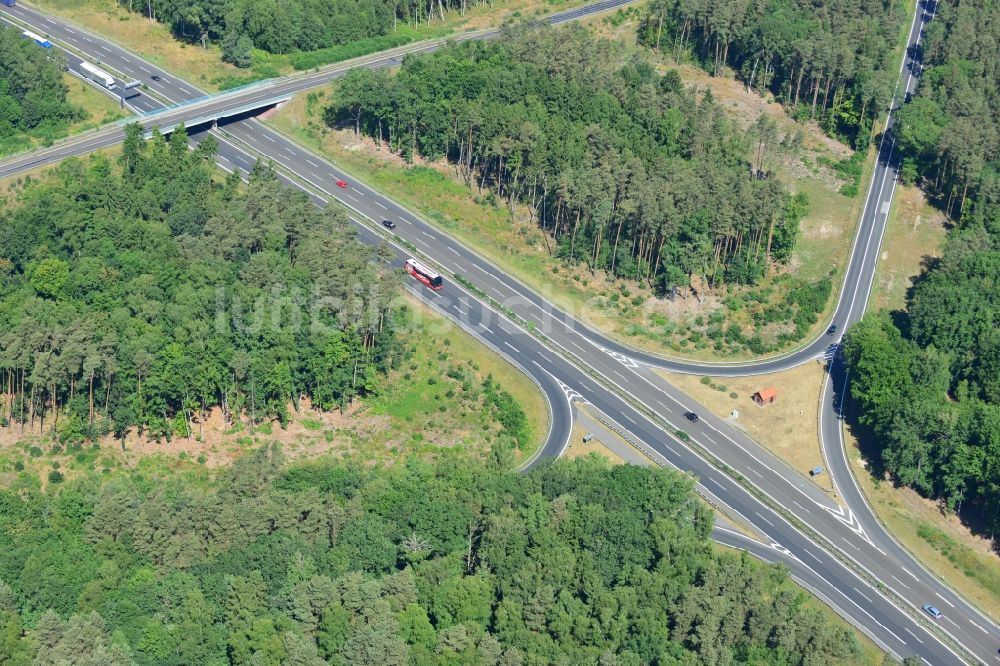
(424, 274)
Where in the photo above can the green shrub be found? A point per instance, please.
(508, 413)
(341, 52)
(850, 169)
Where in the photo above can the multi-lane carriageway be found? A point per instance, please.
(839, 552)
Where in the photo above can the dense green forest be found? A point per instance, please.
(626, 169)
(825, 60)
(928, 380)
(286, 26)
(32, 92)
(949, 135)
(143, 294)
(433, 563)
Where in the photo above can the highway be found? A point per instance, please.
(573, 362)
(189, 104)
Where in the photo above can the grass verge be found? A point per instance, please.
(577, 448)
(97, 107)
(914, 235)
(940, 542)
(204, 66)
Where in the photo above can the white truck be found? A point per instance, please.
(97, 75)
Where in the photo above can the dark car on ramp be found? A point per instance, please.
(691, 416)
(388, 224)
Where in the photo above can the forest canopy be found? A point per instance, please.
(287, 26)
(446, 563)
(32, 92)
(142, 294)
(949, 135)
(628, 171)
(928, 380)
(829, 60)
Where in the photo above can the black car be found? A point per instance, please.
(691, 416)
(388, 224)
(156, 77)
(832, 329)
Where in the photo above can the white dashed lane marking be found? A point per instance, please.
(764, 519)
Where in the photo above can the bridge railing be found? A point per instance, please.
(209, 97)
(225, 113)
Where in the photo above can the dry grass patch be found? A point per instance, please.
(789, 428)
(11, 186)
(915, 233)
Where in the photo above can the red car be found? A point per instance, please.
(341, 183)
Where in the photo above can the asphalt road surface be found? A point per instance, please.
(574, 362)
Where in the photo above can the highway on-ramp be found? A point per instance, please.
(575, 362)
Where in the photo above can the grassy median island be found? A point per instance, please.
(789, 427)
(721, 320)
